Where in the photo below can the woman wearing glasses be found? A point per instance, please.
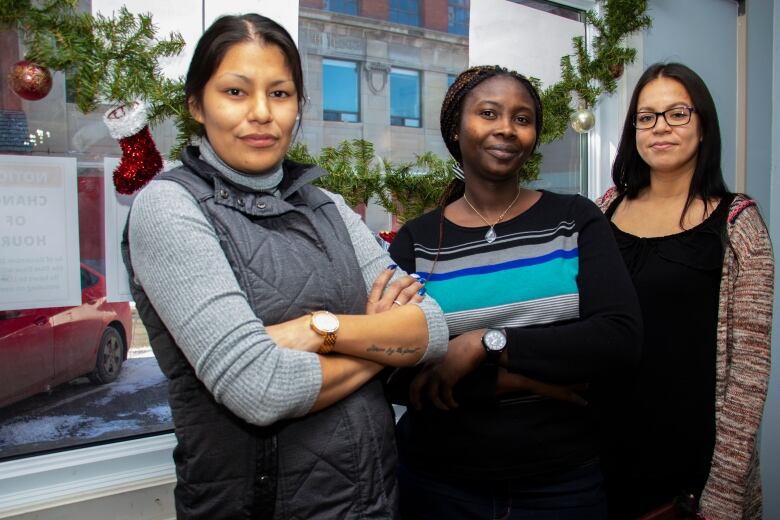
(702, 265)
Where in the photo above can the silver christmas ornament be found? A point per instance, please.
(582, 121)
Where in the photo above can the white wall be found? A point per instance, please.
(770, 432)
(702, 35)
(759, 102)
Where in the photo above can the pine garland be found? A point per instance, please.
(116, 60)
(590, 77)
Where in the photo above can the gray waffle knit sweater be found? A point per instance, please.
(179, 262)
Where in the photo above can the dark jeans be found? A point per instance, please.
(574, 495)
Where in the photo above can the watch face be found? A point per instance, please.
(494, 340)
(325, 321)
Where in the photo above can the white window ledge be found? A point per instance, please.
(46, 481)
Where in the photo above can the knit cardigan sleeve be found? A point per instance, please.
(733, 488)
(605, 200)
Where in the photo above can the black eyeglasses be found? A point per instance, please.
(676, 116)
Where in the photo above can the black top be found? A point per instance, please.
(662, 429)
(554, 278)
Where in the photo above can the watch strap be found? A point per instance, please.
(328, 344)
(329, 337)
(492, 357)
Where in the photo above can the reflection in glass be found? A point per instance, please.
(560, 170)
(340, 91)
(458, 17)
(405, 12)
(400, 58)
(405, 97)
(342, 6)
(71, 376)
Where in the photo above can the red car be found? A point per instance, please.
(41, 348)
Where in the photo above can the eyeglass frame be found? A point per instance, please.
(691, 110)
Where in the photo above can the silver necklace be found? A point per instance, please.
(490, 236)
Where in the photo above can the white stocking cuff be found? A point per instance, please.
(126, 120)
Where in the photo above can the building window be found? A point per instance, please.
(458, 17)
(342, 6)
(340, 91)
(405, 97)
(406, 12)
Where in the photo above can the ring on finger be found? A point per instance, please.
(396, 302)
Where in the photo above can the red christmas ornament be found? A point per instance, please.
(615, 70)
(387, 236)
(141, 160)
(29, 80)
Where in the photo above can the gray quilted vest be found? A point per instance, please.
(291, 255)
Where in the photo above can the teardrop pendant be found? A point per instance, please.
(490, 236)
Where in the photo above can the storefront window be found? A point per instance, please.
(75, 363)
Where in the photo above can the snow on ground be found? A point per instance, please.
(137, 374)
(140, 352)
(162, 412)
(76, 413)
(27, 431)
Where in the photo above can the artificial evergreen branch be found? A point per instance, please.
(589, 76)
(410, 189)
(108, 59)
(354, 171)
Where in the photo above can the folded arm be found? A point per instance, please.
(180, 264)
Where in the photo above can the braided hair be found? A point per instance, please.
(451, 111)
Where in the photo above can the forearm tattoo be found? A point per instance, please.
(390, 351)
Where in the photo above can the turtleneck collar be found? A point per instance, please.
(266, 182)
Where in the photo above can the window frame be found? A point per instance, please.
(357, 114)
(583, 5)
(418, 74)
(39, 482)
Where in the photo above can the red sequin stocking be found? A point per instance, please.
(141, 160)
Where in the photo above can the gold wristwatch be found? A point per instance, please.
(326, 324)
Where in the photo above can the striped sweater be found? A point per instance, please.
(555, 280)
(733, 489)
(546, 260)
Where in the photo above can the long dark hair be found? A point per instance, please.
(228, 31)
(631, 174)
(451, 111)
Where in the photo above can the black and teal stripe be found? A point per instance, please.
(523, 278)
